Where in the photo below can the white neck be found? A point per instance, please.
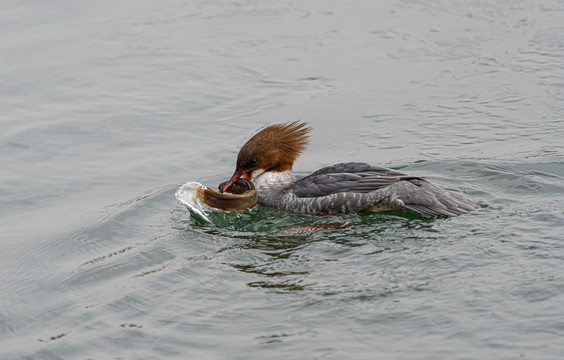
(272, 180)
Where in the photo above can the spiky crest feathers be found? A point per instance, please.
(275, 147)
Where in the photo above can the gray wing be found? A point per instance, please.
(381, 187)
(348, 177)
(427, 198)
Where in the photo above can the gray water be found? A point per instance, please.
(107, 107)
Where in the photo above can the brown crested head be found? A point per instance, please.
(275, 147)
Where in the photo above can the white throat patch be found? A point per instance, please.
(270, 180)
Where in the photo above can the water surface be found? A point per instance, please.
(108, 107)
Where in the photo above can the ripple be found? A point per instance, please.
(467, 94)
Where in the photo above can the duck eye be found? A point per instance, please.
(253, 162)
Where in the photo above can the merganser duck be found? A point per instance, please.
(267, 160)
